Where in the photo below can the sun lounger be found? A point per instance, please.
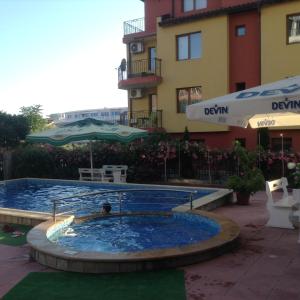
(117, 172)
(108, 173)
(94, 175)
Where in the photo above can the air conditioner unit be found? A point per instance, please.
(135, 93)
(136, 47)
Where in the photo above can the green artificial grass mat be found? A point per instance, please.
(7, 238)
(159, 285)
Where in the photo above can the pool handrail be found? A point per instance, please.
(120, 192)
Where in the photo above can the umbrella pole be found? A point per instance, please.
(91, 160)
(259, 149)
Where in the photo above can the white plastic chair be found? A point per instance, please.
(279, 210)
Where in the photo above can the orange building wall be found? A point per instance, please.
(228, 3)
(294, 134)
(157, 8)
(211, 5)
(244, 64)
(154, 9)
(225, 140)
(244, 51)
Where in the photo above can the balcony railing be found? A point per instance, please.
(140, 68)
(142, 119)
(134, 26)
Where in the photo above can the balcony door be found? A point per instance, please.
(152, 102)
(152, 59)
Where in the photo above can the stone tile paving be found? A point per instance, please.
(265, 266)
(15, 264)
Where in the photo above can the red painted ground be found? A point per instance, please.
(14, 266)
(266, 266)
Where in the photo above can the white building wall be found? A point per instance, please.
(104, 114)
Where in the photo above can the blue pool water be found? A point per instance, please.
(136, 233)
(37, 195)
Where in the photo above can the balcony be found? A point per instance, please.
(142, 119)
(142, 73)
(134, 26)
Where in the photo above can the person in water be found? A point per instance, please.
(106, 208)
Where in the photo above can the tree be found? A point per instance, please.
(34, 116)
(13, 129)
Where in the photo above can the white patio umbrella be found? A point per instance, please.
(275, 104)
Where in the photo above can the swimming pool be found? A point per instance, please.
(37, 195)
(132, 233)
(172, 249)
(148, 209)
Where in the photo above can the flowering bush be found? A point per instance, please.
(155, 157)
(294, 178)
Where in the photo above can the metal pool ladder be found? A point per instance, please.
(119, 192)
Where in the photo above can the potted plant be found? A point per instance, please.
(249, 179)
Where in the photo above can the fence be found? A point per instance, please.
(216, 167)
(139, 68)
(134, 26)
(146, 163)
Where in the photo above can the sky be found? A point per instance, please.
(62, 54)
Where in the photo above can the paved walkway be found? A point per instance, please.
(266, 266)
(15, 264)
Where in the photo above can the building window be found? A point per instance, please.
(187, 96)
(189, 46)
(293, 28)
(240, 30)
(240, 86)
(278, 143)
(189, 5)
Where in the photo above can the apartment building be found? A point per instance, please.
(186, 51)
(115, 115)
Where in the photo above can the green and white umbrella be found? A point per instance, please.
(87, 130)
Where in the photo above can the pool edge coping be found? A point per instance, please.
(198, 203)
(61, 258)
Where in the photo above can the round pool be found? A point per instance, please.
(131, 242)
(134, 233)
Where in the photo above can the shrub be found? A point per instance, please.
(250, 179)
(32, 161)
